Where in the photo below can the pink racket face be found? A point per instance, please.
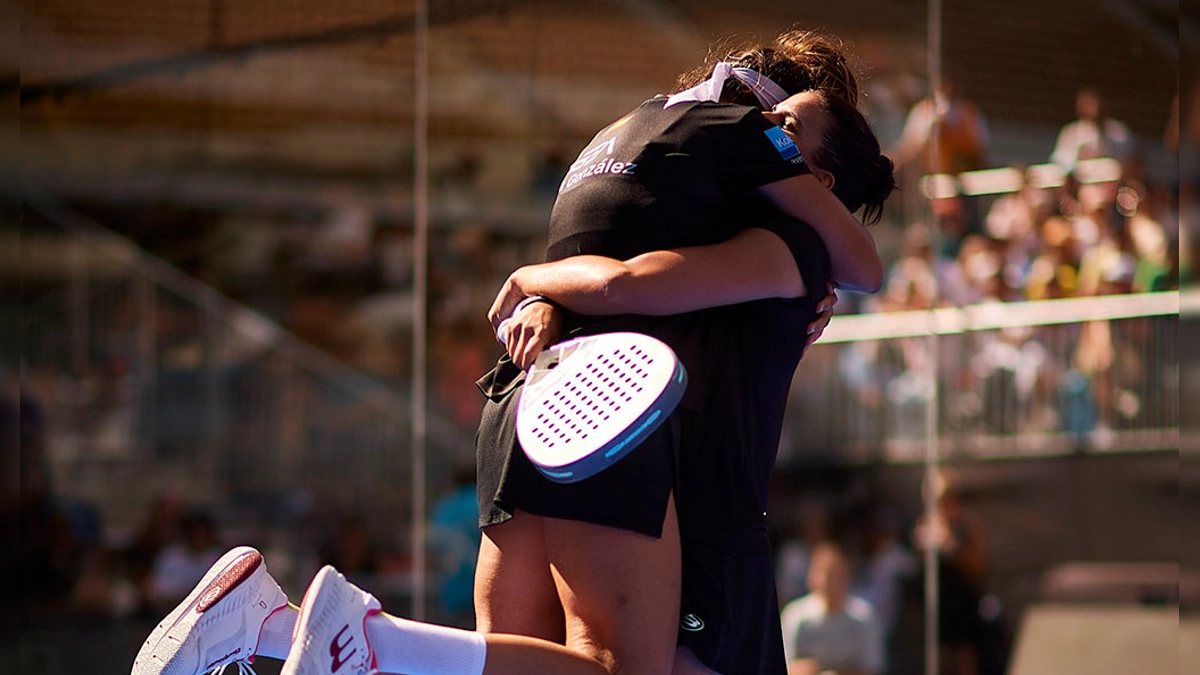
(595, 395)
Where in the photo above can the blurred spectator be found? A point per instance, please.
(1013, 219)
(454, 538)
(889, 565)
(962, 134)
(962, 571)
(48, 546)
(1054, 272)
(1009, 366)
(1092, 135)
(460, 357)
(829, 630)
(981, 264)
(156, 532)
(352, 549)
(343, 242)
(182, 564)
(912, 282)
(794, 555)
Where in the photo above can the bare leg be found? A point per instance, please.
(520, 655)
(514, 591)
(620, 591)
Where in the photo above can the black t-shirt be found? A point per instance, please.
(665, 178)
(662, 178)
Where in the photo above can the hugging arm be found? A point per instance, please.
(753, 265)
(855, 263)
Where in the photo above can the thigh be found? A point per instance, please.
(619, 591)
(514, 590)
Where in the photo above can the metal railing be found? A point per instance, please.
(1007, 379)
(150, 379)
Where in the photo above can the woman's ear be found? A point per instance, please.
(824, 177)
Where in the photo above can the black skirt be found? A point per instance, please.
(630, 495)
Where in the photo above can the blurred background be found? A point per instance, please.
(227, 330)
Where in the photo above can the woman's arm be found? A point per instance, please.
(855, 263)
(753, 265)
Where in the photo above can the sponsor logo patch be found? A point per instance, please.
(692, 623)
(782, 142)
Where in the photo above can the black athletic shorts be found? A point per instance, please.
(729, 611)
(630, 495)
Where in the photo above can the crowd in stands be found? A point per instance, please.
(1082, 233)
(1081, 238)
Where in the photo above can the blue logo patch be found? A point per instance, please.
(782, 142)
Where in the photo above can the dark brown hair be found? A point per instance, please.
(863, 175)
(796, 60)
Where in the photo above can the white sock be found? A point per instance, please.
(414, 648)
(275, 639)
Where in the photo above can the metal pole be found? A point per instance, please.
(210, 372)
(79, 309)
(934, 56)
(79, 319)
(146, 369)
(420, 291)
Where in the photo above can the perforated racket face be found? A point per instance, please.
(595, 395)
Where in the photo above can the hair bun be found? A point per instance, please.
(880, 186)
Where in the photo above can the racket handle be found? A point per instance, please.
(502, 331)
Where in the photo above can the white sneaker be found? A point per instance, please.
(331, 633)
(218, 623)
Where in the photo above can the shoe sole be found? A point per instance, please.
(225, 575)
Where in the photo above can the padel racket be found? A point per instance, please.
(587, 402)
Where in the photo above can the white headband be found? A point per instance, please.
(767, 92)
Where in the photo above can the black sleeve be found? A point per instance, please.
(755, 152)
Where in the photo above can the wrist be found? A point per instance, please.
(531, 300)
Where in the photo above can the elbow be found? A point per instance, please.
(866, 279)
(874, 280)
(616, 291)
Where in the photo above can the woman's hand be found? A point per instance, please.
(824, 316)
(506, 301)
(530, 331)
